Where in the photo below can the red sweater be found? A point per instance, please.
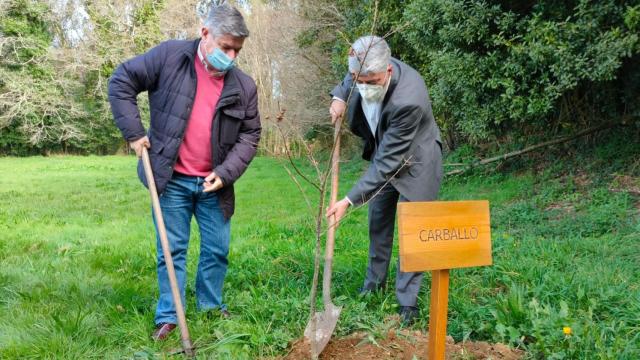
(194, 156)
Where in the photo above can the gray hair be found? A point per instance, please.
(369, 54)
(226, 20)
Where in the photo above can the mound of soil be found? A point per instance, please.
(400, 344)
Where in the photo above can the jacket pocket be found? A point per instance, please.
(157, 142)
(157, 149)
(230, 125)
(416, 162)
(235, 113)
(229, 130)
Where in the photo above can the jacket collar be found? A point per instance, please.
(191, 51)
(231, 88)
(395, 77)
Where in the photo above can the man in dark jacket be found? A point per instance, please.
(391, 111)
(204, 132)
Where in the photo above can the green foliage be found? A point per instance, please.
(27, 19)
(496, 68)
(146, 17)
(560, 240)
(13, 141)
(78, 276)
(35, 113)
(46, 104)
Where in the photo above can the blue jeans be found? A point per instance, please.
(183, 198)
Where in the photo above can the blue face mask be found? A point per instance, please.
(221, 61)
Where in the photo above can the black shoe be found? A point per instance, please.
(408, 315)
(364, 292)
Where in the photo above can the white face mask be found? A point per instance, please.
(373, 93)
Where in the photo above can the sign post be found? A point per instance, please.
(437, 236)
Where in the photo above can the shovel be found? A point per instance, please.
(187, 347)
(321, 325)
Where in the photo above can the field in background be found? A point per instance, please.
(77, 263)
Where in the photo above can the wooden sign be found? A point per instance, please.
(444, 235)
(438, 236)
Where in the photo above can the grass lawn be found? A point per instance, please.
(77, 263)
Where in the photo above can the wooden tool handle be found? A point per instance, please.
(162, 232)
(332, 223)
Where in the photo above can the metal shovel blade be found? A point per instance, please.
(188, 350)
(321, 325)
(324, 323)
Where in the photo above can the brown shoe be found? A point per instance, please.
(162, 331)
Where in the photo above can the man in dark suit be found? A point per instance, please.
(389, 108)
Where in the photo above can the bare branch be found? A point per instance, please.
(295, 167)
(533, 147)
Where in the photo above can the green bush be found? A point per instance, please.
(496, 67)
(48, 106)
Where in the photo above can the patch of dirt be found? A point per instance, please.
(626, 183)
(582, 180)
(564, 207)
(400, 344)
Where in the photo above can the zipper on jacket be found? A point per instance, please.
(184, 131)
(231, 98)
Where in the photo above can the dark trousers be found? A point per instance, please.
(382, 217)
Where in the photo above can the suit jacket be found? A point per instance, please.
(406, 150)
